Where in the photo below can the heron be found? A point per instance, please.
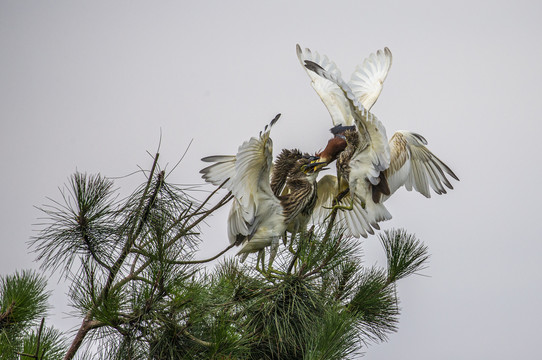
(260, 213)
(288, 184)
(361, 138)
(369, 168)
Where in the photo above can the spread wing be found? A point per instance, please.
(222, 170)
(374, 156)
(247, 174)
(330, 93)
(414, 166)
(367, 80)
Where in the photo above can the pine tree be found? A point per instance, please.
(141, 294)
(23, 302)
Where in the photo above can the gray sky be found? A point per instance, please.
(89, 86)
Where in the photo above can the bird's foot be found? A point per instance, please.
(270, 273)
(291, 249)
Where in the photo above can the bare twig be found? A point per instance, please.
(195, 339)
(202, 261)
(203, 204)
(182, 233)
(333, 215)
(36, 354)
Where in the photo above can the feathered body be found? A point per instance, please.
(259, 215)
(366, 154)
(296, 190)
(370, 166)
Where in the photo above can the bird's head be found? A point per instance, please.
(311, 164)
(332, 150)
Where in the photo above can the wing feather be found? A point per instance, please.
(414, 166)
(376, 156)
(330, 93)
(367, 80)
(356, 222)
(248, 173)
(222, 170)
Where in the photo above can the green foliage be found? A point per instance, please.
(142, 295)
(406, 255)
(83, 224)
(23, 302)
(51, 345)
(23, 299)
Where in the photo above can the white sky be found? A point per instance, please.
(89, 86)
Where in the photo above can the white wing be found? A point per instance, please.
(375, 157)
(356, 222)
(222, 170)
(414, 166)
(247, 176)
(367, 80)
(330, 93)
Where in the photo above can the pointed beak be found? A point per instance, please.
(315, 165)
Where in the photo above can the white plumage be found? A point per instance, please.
(404, 161)
(350, 107)
(256, 218)
(415, 167)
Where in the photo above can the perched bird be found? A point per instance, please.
(404, 161)
(260, 214)
(360, 144)
(294, 190)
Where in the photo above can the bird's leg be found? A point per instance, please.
(260, 258)
(292, 237)
(336, 203)
(272, 253)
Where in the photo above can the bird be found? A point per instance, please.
(288, 183)
(403, 161)
(360, 143)
(260, 212)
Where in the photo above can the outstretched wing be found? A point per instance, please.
(247, 175)
(330, 93)
(367, 80)
(374, 156)
(414, 166)
(223, 170)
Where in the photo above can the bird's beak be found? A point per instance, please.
(314, 166)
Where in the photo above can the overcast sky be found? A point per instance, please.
(90, 86)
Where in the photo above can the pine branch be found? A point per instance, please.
(173, 262)
(405, 254)
(195, 339)
(88, 322)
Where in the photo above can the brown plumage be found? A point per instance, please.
(284, 163)
(342, 148)
(300, 194)
(293, 181)
(332, 150)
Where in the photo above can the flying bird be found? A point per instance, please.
(368, 169)
(260, 213)
(361, 144)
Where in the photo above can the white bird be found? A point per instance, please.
(366, 155)
(258, 217)
(367, 164)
